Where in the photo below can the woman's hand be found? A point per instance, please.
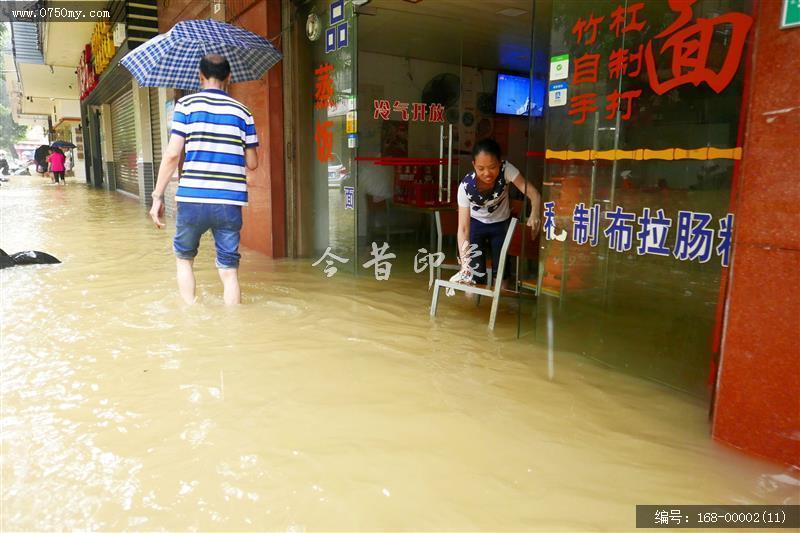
(534, 222)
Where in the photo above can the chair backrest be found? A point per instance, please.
(446, 224)
(498, 282)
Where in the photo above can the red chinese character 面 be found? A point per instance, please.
(418, 111)
(582, 104)
(586, 68)
(614, 102)
(584, 26)
(619, 15)
(323, 87)
(324, 139)
(383, 109)
(436, 113)
(402, 107)
(691, 43)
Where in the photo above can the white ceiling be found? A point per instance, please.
(39, 81)
(64, 42)
(472, 32)
(39, 106)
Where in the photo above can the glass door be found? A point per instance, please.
(322, 221)
(416, 124)
(641, 160)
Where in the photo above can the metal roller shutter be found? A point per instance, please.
(123, 140)
(155, 128)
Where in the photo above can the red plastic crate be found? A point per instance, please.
(411, 187)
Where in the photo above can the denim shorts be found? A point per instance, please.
(225, 223)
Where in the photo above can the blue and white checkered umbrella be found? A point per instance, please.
(172, 59)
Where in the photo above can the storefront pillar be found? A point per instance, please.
(265, 215)
(758, 403)
(107, 148)
(144, 143)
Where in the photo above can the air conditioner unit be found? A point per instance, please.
(119, 34)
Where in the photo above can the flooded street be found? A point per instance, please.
(319, 404)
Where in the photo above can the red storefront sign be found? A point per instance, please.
(383, 109)
(323, 87)
(691, 43)
(324, 98)
(686, 44)
(87, 78)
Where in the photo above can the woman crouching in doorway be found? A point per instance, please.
(484, 210)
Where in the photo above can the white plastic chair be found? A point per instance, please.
(493, 293)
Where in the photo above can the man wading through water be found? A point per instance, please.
(220, 139)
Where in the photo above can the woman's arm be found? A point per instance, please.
(463, 233)
(536, 199)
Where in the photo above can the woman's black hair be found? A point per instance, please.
(488, 146)
(215, 66)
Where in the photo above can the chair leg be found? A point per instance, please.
(435, 299)
(493, 314)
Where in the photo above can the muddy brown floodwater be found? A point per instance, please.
(319, 404)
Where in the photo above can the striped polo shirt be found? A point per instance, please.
(217, 130)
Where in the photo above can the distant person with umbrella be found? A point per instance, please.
(40, 158)
(219, 136)
(3, 164)
(56, 161)
(65, 145)
(217, 133)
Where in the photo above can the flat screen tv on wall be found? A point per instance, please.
(516, 96)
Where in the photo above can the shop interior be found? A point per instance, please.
(476, 65)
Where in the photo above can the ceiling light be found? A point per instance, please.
(512, 12)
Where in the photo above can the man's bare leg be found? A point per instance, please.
(230, 284)
(186, 281)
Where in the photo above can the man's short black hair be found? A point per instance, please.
(215, 66)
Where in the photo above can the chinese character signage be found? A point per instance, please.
(687, 52)
(349, 197)
(337, 35)
(87, 77)
(103, 48)
(413, 112)
(697, 235)
(323, 99)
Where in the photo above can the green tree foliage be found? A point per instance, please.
(10, 131)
